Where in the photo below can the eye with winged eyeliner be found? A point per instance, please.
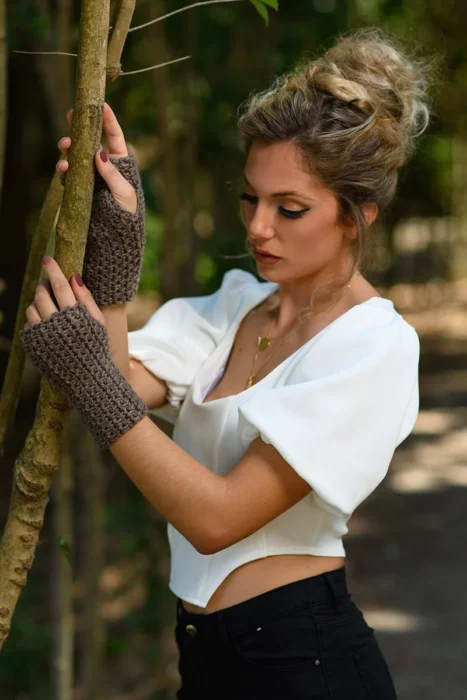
(287, 213)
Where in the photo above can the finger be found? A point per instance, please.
(83, 294)
(64, 144)
(33, 316)
(113, 131)
(60, 285)
(69, 116)
(121, 189)
(43, 300)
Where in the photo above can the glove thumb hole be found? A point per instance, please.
(122, 191)
(83, 294)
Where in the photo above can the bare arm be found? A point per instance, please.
(151, 389)
(211, 511)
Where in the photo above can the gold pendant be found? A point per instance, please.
(250, 381)
(263, 343)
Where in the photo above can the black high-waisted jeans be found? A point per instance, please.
(306, 640)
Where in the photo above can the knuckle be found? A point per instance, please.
(59, 284)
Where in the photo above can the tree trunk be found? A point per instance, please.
(39, 459)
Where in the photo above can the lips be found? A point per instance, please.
(264, 252)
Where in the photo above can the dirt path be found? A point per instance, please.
(408, 543)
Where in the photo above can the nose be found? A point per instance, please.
(260, 225)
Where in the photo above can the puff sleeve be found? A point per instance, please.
(343, 411)
(183, 332)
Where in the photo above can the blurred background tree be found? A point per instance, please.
(180, 121)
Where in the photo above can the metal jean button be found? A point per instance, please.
(191, 630)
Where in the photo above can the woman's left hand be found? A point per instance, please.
(67, 341)
(67, 293)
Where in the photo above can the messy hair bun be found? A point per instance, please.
(354, 115)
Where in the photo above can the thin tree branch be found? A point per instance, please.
(181, 9)
(12, 381)
(122, 18)
(131, 72)
(159, 65)
(50, 53)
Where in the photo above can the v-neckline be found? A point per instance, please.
(211, 362)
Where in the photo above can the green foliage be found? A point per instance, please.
(262, 7)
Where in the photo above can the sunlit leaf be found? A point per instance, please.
(271, 3)
(262, 10)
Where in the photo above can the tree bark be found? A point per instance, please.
(122, 21)
(39, 459)
(58, 100)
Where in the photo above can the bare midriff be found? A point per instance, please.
(263, 575)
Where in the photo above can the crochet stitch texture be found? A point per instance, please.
(116, 238)
(72, 349)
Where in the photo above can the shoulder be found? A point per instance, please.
(241, 282)
(370, 335)
(238, 291)
(214, 312)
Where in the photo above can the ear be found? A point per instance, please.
(370, 212)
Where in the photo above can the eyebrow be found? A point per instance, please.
(292, 193)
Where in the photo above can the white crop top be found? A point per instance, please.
(336, 410)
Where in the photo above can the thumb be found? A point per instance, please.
(83, 294)
(122, 191)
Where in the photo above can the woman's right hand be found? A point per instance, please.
(116, 236)
(122, 191)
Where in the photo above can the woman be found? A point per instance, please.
(288, 395)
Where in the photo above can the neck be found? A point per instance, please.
(294, 297)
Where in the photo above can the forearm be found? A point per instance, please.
(117, 327)
(185, 492)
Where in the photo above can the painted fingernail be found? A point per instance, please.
(46, 260)
(79, 279)
(103, 156)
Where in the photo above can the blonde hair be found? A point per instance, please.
(354, 115)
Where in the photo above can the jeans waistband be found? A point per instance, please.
(324, 588)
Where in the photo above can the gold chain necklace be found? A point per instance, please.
(264, 341)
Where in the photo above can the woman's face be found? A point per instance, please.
(290, 214)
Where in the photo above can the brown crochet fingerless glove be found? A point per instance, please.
(72, 349)
(115, 245)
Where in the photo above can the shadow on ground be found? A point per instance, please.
(407, 544)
